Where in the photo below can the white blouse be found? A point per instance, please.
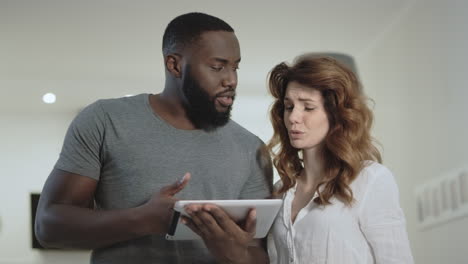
(372, 230)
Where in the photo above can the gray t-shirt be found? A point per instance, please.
(132, 152)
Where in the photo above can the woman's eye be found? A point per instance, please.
(310, 108)
(288, 107)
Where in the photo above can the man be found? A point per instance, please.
(112, 189)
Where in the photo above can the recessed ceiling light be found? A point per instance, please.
(49, 98)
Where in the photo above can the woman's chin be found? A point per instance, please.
(296, 144)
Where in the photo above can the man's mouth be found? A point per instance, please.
(224, 101)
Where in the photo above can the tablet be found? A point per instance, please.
(237, 209)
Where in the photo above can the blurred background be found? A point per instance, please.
(410, 55)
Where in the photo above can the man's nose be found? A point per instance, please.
(230, 79)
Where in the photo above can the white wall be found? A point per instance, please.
(416, 73)
(30, 144)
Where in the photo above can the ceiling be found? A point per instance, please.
(85, 50)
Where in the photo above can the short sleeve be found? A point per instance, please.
(382, 220)
(82, 146)
(259, 184)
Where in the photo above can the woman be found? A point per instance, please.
(340, 204)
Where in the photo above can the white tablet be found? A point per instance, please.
(237, 209)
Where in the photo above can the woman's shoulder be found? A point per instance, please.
(276, 187)
(372, 173)
(278, 184)
(374, 169)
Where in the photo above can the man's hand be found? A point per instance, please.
(159, 208)
(226, 240)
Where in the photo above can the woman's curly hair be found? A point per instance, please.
(348, 143)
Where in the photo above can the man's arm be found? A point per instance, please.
(66, 219)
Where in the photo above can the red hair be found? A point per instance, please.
(348, 142)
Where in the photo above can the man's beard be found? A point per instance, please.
(200, 108)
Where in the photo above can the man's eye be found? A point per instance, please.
(217, 68)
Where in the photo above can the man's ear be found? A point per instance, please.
(173, 63)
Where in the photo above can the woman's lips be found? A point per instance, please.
(295, 134)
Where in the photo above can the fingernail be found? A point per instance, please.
(181, 180)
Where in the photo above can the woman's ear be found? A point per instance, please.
(173, 63)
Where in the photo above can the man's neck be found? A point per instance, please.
(169, 107)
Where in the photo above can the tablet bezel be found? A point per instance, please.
(267, 209)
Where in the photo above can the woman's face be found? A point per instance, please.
(304, 116)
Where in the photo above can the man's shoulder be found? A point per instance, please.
(121, 103)
(241, 133)
(101, 109)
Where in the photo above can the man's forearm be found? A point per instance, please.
(68, 226)
(255, 255)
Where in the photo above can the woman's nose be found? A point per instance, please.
(294, 117)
